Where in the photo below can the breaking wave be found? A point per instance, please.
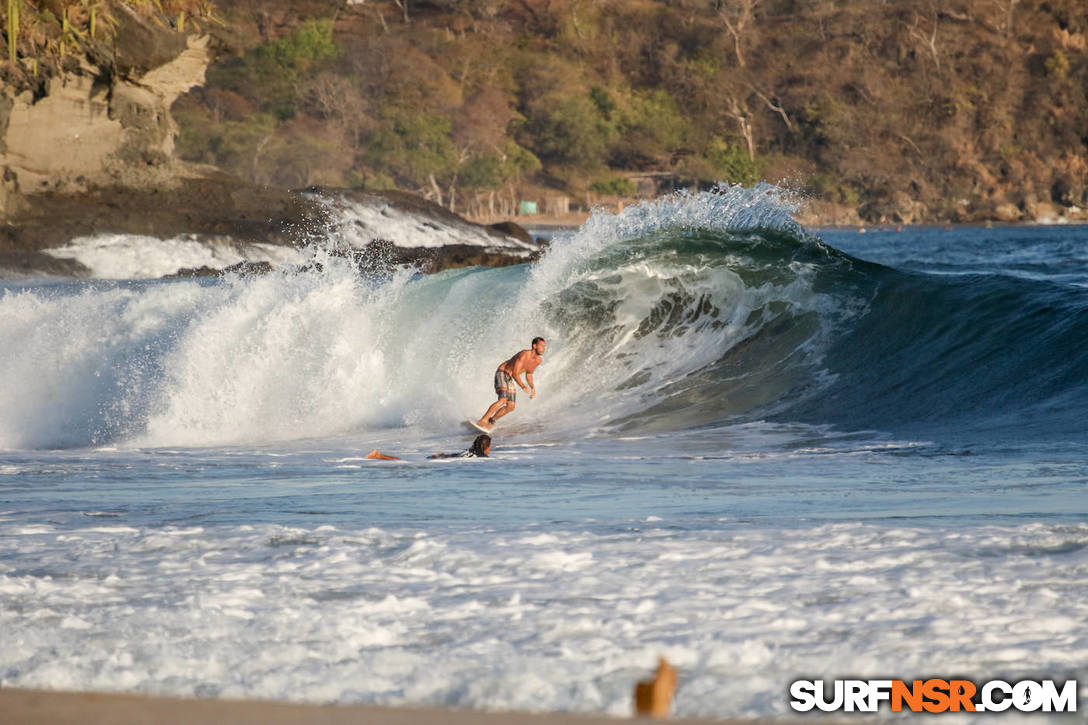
(692, 310)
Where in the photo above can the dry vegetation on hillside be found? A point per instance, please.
(908, 110)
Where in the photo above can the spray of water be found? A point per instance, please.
(640, 308)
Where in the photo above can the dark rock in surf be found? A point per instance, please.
(244, 269)
(512, 229)
(401, 228)
(381, 230)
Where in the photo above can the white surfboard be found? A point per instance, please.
(476, 426)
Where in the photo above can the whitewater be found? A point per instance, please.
(764, 452)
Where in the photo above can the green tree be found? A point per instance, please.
(649, 129)
(496, 169)
(231, 145)
(732, 162)
(273, 73)
(570, 132)
(614, 186)
(413, 147)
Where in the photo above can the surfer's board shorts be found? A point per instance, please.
(504, 386)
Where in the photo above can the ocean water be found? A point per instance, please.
(764, 452)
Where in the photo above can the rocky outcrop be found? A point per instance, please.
(103, 118)
(394, 227)
(214, 207)
(86, 152)
(377, 230)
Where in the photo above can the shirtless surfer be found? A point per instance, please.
(509, 373)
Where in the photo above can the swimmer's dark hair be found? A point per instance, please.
(537, 339)
(481, 444)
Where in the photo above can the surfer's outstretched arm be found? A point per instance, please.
(376, 455)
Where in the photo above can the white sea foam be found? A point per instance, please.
(134, 256)
(355, 224)
(316, 351)
(524, 620)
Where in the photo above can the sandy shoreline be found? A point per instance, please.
(44, 707)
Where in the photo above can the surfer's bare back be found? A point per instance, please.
(509, 373)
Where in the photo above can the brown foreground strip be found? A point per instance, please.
(39, 707)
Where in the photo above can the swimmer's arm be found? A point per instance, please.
(376, 455)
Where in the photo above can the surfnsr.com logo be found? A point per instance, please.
(933, 695)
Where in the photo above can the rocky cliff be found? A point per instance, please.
(102, 117)
(87, 149)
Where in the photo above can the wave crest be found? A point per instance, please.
(690, 310)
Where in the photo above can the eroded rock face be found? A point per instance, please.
(69, 132)
(101, 123)
(139, 45)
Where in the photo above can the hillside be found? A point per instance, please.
(950, 110)
(918, 110)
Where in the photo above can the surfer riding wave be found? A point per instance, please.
(508, 373)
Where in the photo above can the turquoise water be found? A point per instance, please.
(760, 452)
